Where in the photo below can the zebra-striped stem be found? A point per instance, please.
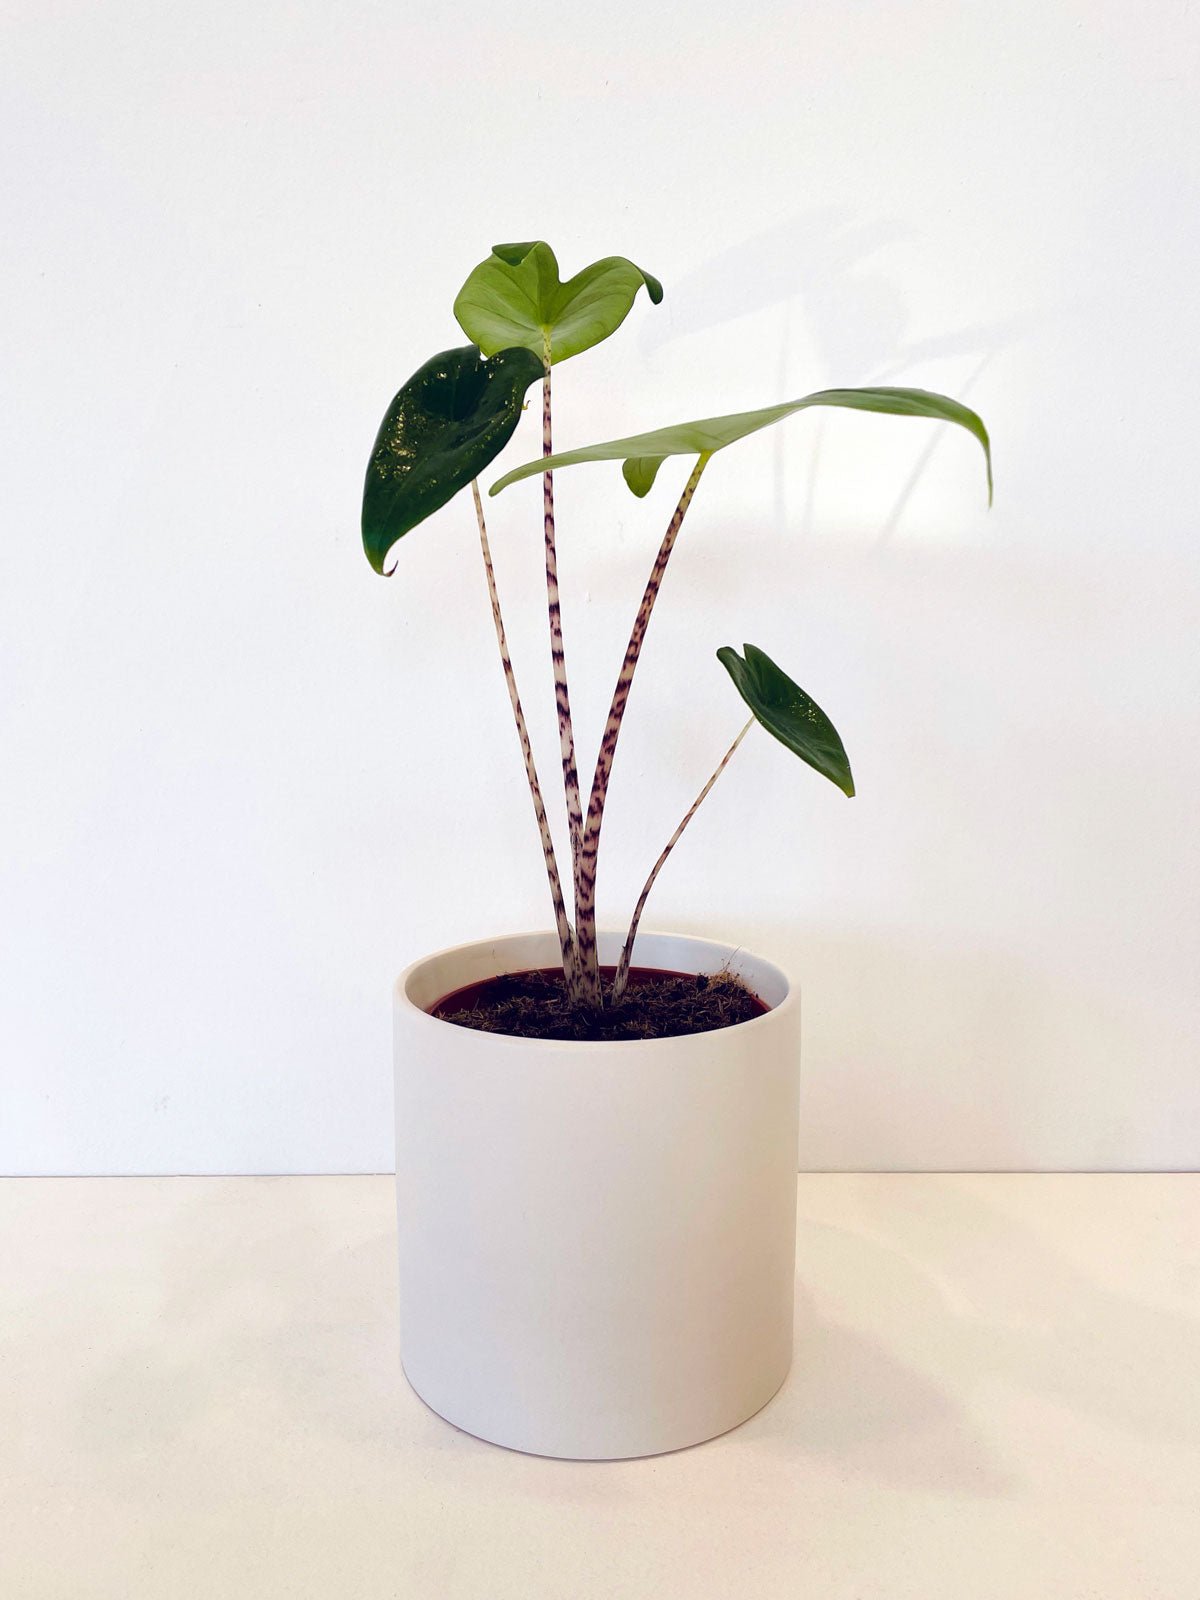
(622, 977)
(565, 936)
(562, 698)
(585, 903)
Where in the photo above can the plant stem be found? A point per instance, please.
(562, 698)
(565, 936)
(585, 903)
(622, 976)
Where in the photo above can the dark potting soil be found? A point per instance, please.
(656, 1005)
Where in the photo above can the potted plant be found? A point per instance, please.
(595, 1161)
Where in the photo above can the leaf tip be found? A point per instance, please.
(512, 255)
(383, 562)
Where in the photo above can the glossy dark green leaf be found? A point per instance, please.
(453, 416)
(644, 453)
(783, 708)
(515, 297)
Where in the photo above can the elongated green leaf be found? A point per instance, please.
(784, 710)
(515, 297)
(644, 453)
(453, 416)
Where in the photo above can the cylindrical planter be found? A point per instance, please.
(597, 1240)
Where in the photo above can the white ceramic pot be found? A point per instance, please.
(597, 1240)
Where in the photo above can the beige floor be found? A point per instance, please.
(996, 1393)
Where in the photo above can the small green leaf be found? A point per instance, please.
(640, 472)
(453, 416)
(647, 450)
(515, 297)
(784, 710)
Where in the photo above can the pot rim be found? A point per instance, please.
(518, 1041)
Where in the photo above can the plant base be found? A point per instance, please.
(656, 1005)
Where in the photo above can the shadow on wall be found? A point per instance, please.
(856, 317)
(853, 315)
(837, 303)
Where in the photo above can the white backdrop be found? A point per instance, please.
(244, 780)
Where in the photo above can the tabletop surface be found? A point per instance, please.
(995, 1393)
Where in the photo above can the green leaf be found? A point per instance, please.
(453, 416)
(784, 710)
(640, 472)
(515, 297)
(644, 453)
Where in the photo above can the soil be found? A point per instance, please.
(656, 1005)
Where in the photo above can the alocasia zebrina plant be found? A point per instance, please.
(455, 415)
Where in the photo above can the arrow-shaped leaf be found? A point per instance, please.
(515, 297)
(784, 710)
(453, 416)
(644, 453)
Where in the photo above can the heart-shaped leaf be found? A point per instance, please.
(784, 710)
(453, 416)
(644, 453)
(515, 297)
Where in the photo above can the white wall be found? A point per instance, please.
(244, 780)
